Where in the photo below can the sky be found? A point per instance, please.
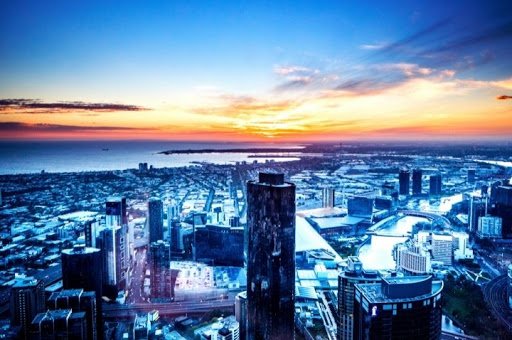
(256, 70)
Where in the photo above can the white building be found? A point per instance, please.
(412, 258)
(462, 249)
(489, 227)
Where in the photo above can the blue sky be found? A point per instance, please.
(156, 53)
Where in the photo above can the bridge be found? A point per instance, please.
(435, 218)
(114, 311)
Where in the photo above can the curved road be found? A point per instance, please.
(495, 294)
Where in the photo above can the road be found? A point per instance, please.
(495, 294)
(135, 291)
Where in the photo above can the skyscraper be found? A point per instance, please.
(155, 220)
(112, 243)
(79, 301)
(347, 280)
(115, 211)
(404, 178)
(160, 258)
(270, 257)
(27, 299)
(436, 184)
(417, 181)
(90, 230)
(59, 324)
(398, 308)
(328, 198)
(82, 269)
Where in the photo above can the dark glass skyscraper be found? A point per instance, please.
(270, 257)
(436, 184)
(82, 269)
(398, 308)
(155, 220)
(417, 181)
(27, 299)
(404, 178)
(160, 258)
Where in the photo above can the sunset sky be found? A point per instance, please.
(253, 70)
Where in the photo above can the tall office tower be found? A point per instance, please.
(116, 215)
(79, 301)
(155, 220)
(111, 242)
(27, 299)
(417, 181)
(176, 237)
(436, 184)
(404, 178)
(59, 324)
(172, 215)
(398, 308)
(115, 211)
(471, 175)
(271, 257)
(90, 231)
(241, 313)
(347, 280)
(477, 209)
(82, 268)
(141, 326)
(328, 199)
(442, 248)
(502, 207)
(160, 258)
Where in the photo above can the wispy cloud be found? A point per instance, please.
(34, 106)
(372, 47)
(504, 97)
(57, 128)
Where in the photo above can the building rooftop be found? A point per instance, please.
(25, 282)
(401, 289)
(80, 249)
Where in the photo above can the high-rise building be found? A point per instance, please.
(436, 185)
(59, 324)
(241, 313)
(442, 248)
(328, 198)
(141, 327)
(404, 179)
(155, 220)
(417, 175)
(489, 227)
(27, 299)
(471, 175)
(82, 269)
(112, 244)
(91, 227)
(160, 258)
(352, 275)
(115, 211)
(412, 258)
(116, 215)
(477, 209)
(398, 308)
(270, 257)
(79, 301)
(502, 207)
(176, 236)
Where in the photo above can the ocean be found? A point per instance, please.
(75, 156)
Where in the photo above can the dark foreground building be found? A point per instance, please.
(398, 308)
(354, 274)
(82, 269)
(270, 258)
